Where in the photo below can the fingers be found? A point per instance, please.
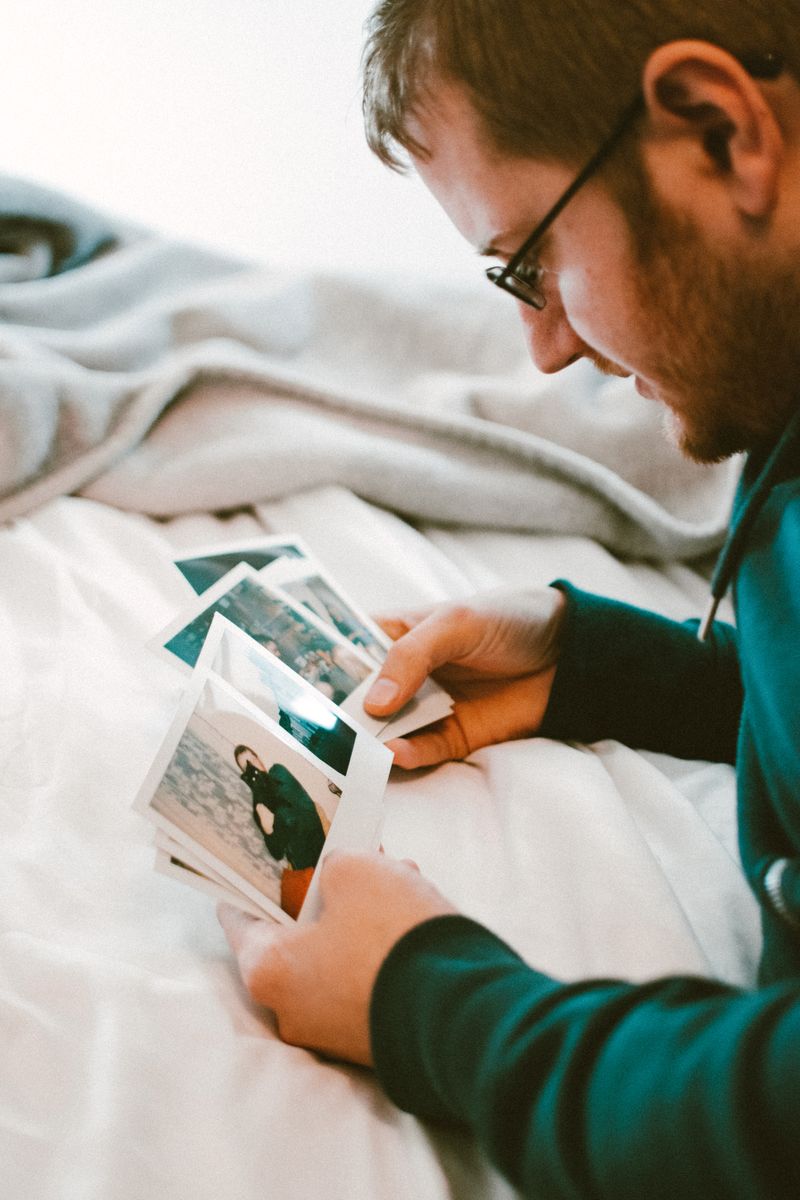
(360, 888)
(318, 979)
(235, 923)
(256, 947)
(343, 873)
(512, 710)
(499, 637)
(442, 637)
(339, 871)
(396, 626)
(441, 742)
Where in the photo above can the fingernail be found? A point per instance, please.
(382, 692)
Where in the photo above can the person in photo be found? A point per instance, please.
(284, 812)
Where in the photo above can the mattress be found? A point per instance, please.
(133, 1062)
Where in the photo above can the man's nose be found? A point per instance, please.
(552, 342)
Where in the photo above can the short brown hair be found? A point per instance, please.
(547, 77)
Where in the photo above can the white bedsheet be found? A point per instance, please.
(132, 1063)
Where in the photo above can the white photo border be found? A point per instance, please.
(355, 825)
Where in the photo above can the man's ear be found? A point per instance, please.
(699, 95)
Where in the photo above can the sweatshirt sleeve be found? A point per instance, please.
(682, 1087)
(629, 674)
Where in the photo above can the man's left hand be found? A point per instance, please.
(318, 978)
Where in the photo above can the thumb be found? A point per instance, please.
(411, 659)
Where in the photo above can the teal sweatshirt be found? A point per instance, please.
(683, 1087)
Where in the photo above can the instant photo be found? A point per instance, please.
(181, 856)
(177, 868)
(206, 565)
(312, 588)
(310, 719)
(243, 799)
(305, 583)
(321, 656)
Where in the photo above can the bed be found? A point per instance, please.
(155, 397)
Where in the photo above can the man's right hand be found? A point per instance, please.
(497, 657)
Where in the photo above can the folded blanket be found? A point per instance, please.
(163, 377)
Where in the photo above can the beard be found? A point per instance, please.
(722, 333)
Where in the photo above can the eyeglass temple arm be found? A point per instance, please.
(628, 116)
(766, 66)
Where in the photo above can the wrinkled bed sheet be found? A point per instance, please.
(133, 1064)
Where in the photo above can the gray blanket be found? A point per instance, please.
(164, 378)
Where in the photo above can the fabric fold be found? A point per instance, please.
(163, 377)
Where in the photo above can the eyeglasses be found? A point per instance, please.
(524, 280)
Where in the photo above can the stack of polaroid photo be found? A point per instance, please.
(271, 760)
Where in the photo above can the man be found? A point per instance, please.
(674, 257)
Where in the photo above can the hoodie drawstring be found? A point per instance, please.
(744, 521)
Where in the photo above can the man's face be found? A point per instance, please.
(704, 326)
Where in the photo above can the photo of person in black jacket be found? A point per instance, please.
(283, 811)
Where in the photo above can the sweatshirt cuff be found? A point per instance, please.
(626, 673)
(426, 1043)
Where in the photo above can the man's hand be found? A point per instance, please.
(318, 978)
(496, 656)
